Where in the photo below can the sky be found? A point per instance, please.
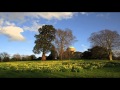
(17, 29)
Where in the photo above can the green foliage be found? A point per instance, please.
(32, 57)
(6, 59)
(86, 55)
(99, 52)
(43, 42)
(96, 52)
(53, 55)
(44, 38)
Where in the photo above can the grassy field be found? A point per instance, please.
(60, 69)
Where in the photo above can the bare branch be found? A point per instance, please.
(107, 39)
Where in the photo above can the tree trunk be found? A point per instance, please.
(43, 56)
(110, 56)
(61, 56)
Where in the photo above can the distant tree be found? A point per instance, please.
(26, 58)
(32, 57)
(107, 39)
(5, 56)
(16, 57)
(63, 39)
(23, 57)
(44, 39)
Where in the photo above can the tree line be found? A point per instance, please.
(106, 40)
(56, 41)
(5, 57)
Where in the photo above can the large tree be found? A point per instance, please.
(107, 39)
(63, 39)
(43, 42)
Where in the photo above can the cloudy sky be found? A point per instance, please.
(17, 29)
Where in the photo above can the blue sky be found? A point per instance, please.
(17, 29)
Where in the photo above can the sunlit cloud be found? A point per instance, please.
(13, 33)
(22, 17)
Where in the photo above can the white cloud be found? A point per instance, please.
(35, 26)
(19, 18)
(45, 15)
(56, 15)
(11, 23)
(103, 15)
(6, 23)
(84, 13)
(13, 32)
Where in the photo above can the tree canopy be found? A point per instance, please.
(106, 38)
(43, 42)
(63, 39)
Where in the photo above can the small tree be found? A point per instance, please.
(43, 42)
(32, 57)
(17, 57)
(26, 58)
(86, 54)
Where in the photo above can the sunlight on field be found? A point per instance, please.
(51, 66)
(96, 68)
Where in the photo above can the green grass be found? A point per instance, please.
(60, 69)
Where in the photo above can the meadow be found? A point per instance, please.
(60, 69)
